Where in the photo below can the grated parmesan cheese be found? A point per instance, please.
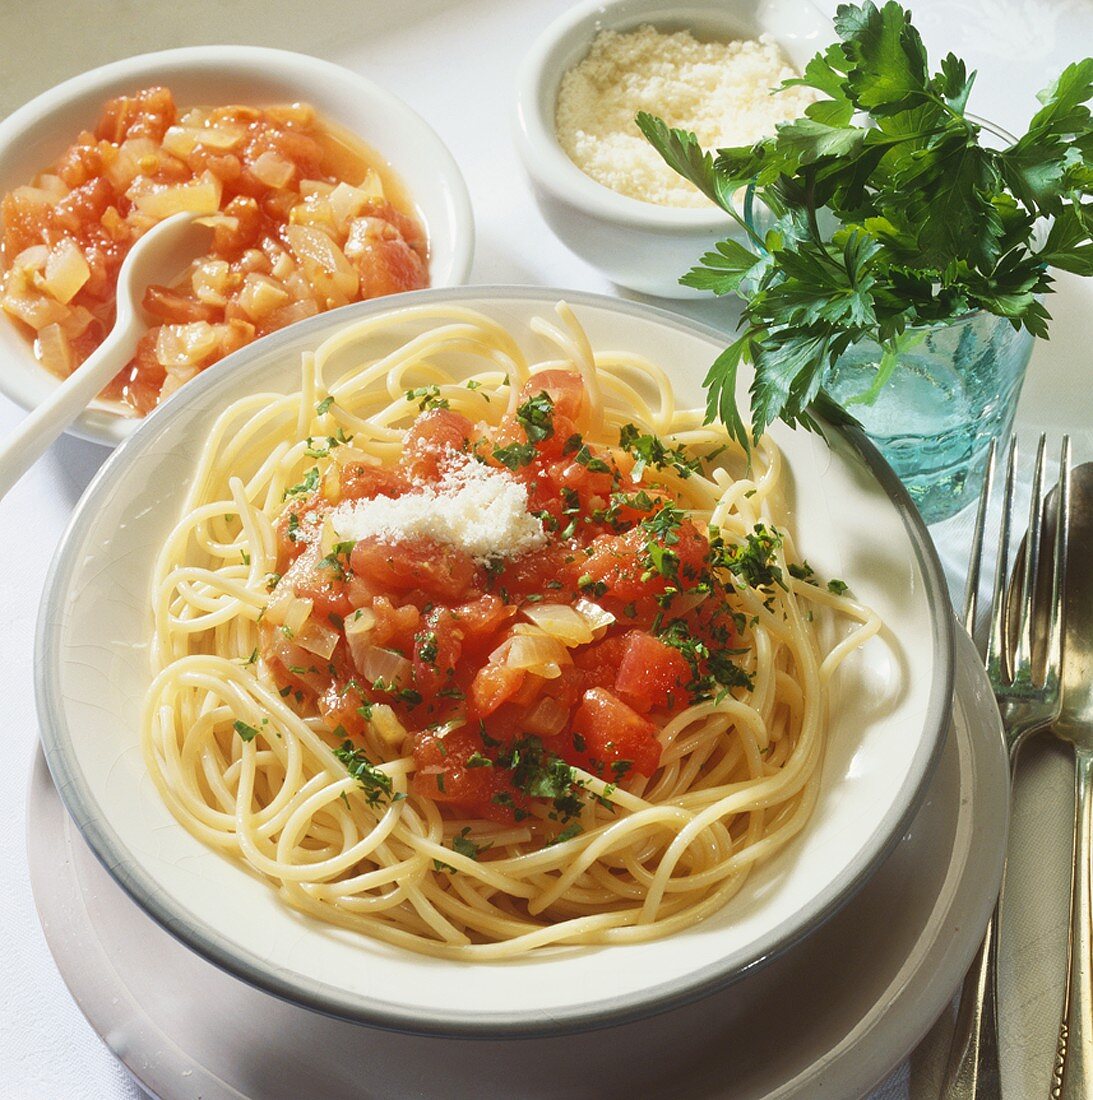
(719, 90)
(479, 509)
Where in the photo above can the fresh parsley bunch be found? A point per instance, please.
(928, 224)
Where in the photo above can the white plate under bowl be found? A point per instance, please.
(849, 1001)
(35, 135)
(852, 520)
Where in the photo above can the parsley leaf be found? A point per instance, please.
(515, 455)
(376, 784)
(536, 416)
(923, 221)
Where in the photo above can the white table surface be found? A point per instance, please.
(455, 63)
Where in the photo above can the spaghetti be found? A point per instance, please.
(587, 730)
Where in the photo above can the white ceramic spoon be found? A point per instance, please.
(158, 257)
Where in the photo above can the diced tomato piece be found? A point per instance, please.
(408, 229)
(566, 389)
(613, 733)
(437, 649)
(493, 685)
(650, 673)
(327, 592)
(388, 265)
(621, 562)
(599, 662)
(25, 223)
(139, 383)
(146, 114)
(444, 775)
(430, 440)
(232, 239)
(395, 626)
(358, 481)
(405, 565)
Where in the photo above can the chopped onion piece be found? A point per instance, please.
(318, 638)
(66, 271)
(546, 718)
(182, 140)
(260, 296)
(383, 664)
(33, 258)
(210, 280)
(597, 618)
(35, 310)
(540, 654)
(358, 633)
(55, 351)
(297, 613)
(272, 170)
(560, 621)
(200, 197)
(324, 264)
(387, 725)
(186, 345)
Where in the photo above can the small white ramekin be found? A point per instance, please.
(637, 244)
(35, 135)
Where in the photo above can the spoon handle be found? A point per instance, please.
(1073, 1077)
(32, 437)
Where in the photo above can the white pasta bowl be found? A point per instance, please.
(888, 715)
(637, 244)
(39, 132)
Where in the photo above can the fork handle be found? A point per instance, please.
(973, 1072)
(1073, 1077)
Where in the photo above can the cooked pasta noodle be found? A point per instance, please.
(246, 761)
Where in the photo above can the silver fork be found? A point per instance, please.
(1028, 703)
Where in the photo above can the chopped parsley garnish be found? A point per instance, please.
(837, 587)
(568, 833)
(800, 572)
(428, 643)
(515, 455)
(427, 397)
(536, 416)
(246, 733)
(478, 760)
(389, 687)
(584, 457)
(753, 560)
(376, 784)
(649, 450)
(338, 559)
(308, 485)
(542, 774)
(463, 844)
(324, 406)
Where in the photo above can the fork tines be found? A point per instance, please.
(1009, 654)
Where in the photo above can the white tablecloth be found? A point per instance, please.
(455, 63)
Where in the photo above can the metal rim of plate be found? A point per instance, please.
(609, 1011)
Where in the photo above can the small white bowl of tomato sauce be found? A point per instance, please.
(318, 188)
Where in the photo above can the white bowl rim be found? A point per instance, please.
(547, 161)
(105, 428)
(325, 999)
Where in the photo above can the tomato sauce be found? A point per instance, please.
(493, 725)
(303, 219)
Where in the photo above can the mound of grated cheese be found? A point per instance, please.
(479, 509)
(719, 90)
